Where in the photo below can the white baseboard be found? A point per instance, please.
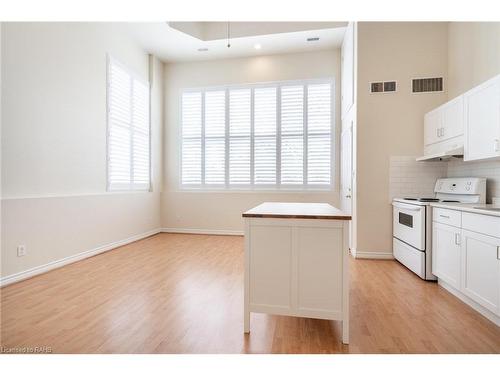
(372, 255)
(220, 232)
(480, 309)
(73, 258)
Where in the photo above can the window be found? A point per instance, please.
(128, 130)
(262, 136)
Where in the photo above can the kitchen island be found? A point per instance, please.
(296, 262)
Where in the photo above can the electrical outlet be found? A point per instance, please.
(21, 250)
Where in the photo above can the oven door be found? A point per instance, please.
(409, 224)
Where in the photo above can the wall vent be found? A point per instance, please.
(388, 86)
(427, 84)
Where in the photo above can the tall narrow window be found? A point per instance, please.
(128, 130)
(274, 135)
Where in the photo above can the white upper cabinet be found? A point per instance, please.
(482, 121)
(432, 124)
(445, 122)
(453, 118)
(347, 70)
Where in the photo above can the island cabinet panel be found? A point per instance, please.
(296, 262)
(271, 267)
(319, 271)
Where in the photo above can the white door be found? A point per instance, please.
(432, 127)
(453, 118)
(347, 70)
(482, 121)
(481, 269)
(346, 168)
(446, 253)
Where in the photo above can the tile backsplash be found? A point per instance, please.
(488, 169)
(409, 178)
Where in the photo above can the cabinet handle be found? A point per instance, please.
(498, 252)
(457, 239)
(497, 145)
(437, 132)
(444, 216)
(442, 132)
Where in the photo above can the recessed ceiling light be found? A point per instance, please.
(315, 39)
(257, 46)
(202, 49)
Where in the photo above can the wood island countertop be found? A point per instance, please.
(285, 210)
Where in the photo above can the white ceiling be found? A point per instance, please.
(173, 45)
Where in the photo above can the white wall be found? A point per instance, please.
(473, 54)
(222, 210)
(473, 57)
(54, 142)
(391, 124)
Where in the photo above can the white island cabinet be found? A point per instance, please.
(296, 262)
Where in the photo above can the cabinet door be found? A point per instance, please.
(453, 118)
(446, 253)
(481, 269)
(319, 271)
(270, 267)
(432, 125)
(347, 70)
(482, 121)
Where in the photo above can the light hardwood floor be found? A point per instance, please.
(178, 293)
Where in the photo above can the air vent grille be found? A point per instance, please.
(427, 84)
(389, 86)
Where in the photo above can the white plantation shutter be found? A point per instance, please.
(265, 136)
(191, 138)
(128, 130)
(215, 137)
(239, 137)
(292, 134)
(319, 134)
(258, 136)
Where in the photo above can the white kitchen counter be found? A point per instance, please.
(475, 208)
(296, 262)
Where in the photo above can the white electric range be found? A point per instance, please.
(412, 221)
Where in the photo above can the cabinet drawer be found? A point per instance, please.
(445, 216)
(485, 224)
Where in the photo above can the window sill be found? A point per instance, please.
(255, 191)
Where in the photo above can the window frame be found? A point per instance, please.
(252, 187)
(134, 75)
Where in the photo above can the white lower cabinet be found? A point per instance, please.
(481, 269)
(469, 261)
(446, 253)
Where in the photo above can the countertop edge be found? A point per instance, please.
(462, 208)
(290, 216)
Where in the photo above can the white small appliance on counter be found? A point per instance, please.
(412, 220)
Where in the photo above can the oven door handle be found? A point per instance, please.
(405, 207)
